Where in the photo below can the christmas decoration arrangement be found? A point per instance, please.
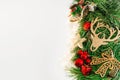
(96, 50)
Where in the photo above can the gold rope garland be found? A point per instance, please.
(109, 62)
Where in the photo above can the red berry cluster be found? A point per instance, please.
(83, 62)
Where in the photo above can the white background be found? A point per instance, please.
(34, 36)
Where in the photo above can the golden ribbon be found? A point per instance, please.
(109, 62)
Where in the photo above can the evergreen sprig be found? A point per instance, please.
(109, 12)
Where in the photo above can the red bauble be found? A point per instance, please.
(79, 62)
(88, 60)
(85, 70)
(80, 52)
(85, 55)
(86, 26)
(88, 69)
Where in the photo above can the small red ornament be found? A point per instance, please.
(86, 26)
(88, 60)
(79, 62)
(80, 52)
(86, 53)
(84, 57)
(88, 69)
(83, 54)
(85, 70)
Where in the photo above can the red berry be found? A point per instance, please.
(86, 53)
(84, 57)
(88, 69)
(79, 62)
(85, 70)
(80, 52)
(86, 26)
(88, 60)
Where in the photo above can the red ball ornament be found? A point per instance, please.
(80, 52)
(86, 26)
(88, 69)
(79, 62)
(86, 53)
(84, 57)
(85, 70)
(88, 60)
